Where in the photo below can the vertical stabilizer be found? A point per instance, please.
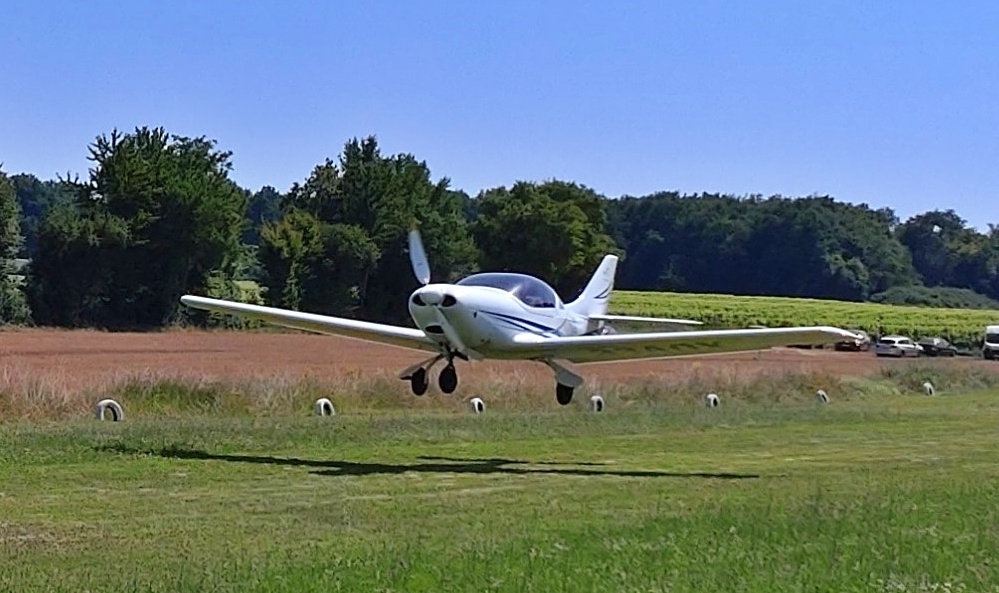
(596, 295)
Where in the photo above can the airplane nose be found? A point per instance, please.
(432, 296)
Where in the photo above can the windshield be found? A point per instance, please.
(992, 338)
(531, 291)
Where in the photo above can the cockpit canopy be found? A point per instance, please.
(531, 291)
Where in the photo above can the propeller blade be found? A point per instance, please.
(449, 332)
(418, 257)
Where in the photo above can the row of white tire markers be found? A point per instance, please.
(109, 409)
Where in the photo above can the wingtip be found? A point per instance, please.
(193, 300)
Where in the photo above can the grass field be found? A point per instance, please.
(889, 491)
(965, 326)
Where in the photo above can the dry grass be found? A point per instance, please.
(29, 397)
(55, 375)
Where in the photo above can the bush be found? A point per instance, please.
(939, 296)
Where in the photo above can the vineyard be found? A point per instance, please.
(961, 326)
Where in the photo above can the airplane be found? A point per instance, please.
(511, 316)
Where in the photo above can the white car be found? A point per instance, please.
(899, 346)
(990, 348)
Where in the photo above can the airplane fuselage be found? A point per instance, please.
(482, 321)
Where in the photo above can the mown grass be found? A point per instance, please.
(883, 489)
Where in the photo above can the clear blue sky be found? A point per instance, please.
(889, 103)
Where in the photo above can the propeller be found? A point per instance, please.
(418, 257)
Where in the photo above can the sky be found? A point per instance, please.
(889, 103)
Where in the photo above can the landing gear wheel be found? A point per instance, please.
(563, 394)
(418, 382)
(448, 379)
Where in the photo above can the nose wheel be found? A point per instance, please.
(418, 382)
(448, 379)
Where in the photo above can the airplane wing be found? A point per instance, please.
(633, 319)
(351, 328)
(611, 347)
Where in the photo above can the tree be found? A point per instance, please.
(36, 197)
(555, 231)
(946, 252)
(375, 200)
(387, 196)
(157, 217)
(264, 207)
(13, 306)
(810, 246)
(927, 236)
(319, 267)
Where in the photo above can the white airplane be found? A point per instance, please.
(510, 316)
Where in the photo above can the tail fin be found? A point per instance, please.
(594, 298)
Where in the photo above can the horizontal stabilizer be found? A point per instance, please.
(634, 319)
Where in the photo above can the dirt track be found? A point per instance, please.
(79, 360)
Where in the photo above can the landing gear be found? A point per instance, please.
(566, 381)
(418, 381)
(418, 374)
(563, 394)
(448, 379)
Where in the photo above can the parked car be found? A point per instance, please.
(937, 347)
(899, 346)
(861, 344)
(990, 348)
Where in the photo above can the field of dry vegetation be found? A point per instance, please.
(58, 374)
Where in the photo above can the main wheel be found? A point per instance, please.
(563, 394)
(418, 382)
(448, 380)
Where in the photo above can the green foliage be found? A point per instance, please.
(810, 247)
(10, 222)
(157, 216)
(341, 246)
(13, 305)
(961, 326)
(264, 207)
(232, 282)
(554, 231)
(947, 253)
(938, 296)
(37, 197)
(319, 267)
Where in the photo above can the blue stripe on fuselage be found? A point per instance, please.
(525, 324)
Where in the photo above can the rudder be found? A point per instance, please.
(595, 297)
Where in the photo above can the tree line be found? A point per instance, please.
(158, 216)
